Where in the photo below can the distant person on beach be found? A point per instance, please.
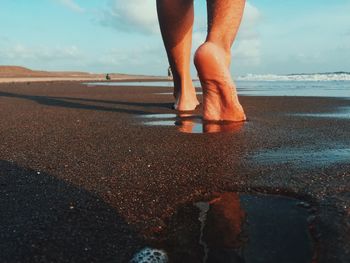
(170, 73)
(212, 59)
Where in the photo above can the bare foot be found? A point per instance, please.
(220, 101)
(185, 97)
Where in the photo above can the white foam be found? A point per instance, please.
(150, 255)
(297, 77)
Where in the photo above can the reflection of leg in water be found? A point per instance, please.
(223, 229)
(189, 123)
(213, 58)
(176, 22)
(213, 127)
(214, 226)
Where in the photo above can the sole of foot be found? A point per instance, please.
(220, 100)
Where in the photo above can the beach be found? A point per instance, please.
(17, 74)
(84, 179)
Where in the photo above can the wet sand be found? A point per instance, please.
(82, 179)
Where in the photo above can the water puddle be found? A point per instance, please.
(171, 93)
(342, 113)
(150, 255)
(303, 158)
(160, 116)
(235, 227)
(189, 123)
(256, 88)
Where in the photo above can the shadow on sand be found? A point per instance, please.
(44, 219)
(80, 103)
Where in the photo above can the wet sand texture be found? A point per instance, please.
(83, 180)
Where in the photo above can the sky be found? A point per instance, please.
(276, 37)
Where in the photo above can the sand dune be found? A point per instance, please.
(22, 74)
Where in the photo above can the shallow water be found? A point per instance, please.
(235, 227)
(341, 113)
(295, 88)
(262, 88)
(137, 83)
(302, 158)
(195, 124)
(170, 93)
(188, 123)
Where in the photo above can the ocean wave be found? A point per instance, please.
(339, 76)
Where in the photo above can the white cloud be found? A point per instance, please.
(143, 59)
(4, 40)
(43, 57)
(132, 15)
(247, 50)
(251, 17)
(20, 52)
(71, 5)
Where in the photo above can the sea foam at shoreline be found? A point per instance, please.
(337, 76)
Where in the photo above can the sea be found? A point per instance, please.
(315, 85)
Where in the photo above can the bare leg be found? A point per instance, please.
(213, 58)
(176, 23)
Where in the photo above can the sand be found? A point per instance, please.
(15, 74)
(83, 180)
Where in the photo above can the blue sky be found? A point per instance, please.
(122, 36)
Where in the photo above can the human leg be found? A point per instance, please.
(176, 23)
(213, 58)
